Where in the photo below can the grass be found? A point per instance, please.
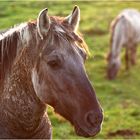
(120, 98)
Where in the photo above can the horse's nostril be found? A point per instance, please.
(94, 119)
(90, 119)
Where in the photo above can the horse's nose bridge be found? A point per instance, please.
(88, 94)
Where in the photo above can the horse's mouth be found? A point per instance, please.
(87, 132)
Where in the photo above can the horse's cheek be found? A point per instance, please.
(39, 87)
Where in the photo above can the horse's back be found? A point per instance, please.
(128, 23)
(133, 16)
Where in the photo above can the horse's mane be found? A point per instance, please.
(112, 27)
(112, 30)
(8, 49)
(10, 42)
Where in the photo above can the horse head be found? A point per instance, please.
(59, 77)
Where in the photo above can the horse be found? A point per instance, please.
(125, 32)
(42, 63)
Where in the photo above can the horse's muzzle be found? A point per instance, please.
(92, 125)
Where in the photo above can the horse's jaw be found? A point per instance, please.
(82, 130)
(81, 127)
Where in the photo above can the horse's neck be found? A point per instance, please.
(116, 43)
(21, 108)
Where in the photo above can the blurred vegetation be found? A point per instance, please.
(120, 98)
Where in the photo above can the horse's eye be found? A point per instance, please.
(54, 63)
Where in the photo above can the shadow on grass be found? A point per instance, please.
(124, 132)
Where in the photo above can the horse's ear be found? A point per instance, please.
(43, 23)
(74, 18)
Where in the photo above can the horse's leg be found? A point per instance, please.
(127, 58)
(133, 51)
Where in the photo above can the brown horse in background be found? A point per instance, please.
(125, 31)
(42, 62)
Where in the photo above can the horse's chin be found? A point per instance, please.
(87, 132)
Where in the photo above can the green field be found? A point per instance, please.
(120, 98)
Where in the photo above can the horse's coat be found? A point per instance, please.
(125, 31)
(42, 62)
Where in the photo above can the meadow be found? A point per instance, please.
(119, 98)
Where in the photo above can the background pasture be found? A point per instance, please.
(120, 98)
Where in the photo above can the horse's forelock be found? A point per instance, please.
(63, 31)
